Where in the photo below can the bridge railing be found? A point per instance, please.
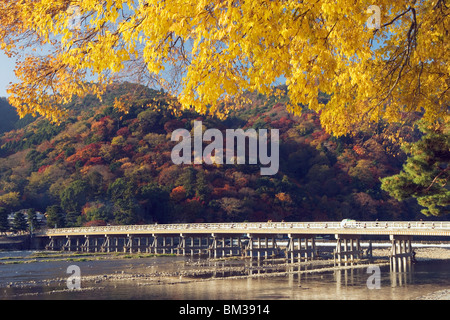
(249, 226)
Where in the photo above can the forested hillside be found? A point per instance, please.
(103, 166)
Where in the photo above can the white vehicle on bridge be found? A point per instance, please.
(349, 223)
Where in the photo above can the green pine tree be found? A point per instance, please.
(55, 219)
(425, 175)
(33, 222)
(20, 222)
(4, 224)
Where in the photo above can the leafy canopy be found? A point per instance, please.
(210, 52)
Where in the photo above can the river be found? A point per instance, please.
(29, 275)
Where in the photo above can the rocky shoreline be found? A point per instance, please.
(438, 295)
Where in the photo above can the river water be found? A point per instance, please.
(128, 279)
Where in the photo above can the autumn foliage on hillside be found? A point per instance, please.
(103, 166)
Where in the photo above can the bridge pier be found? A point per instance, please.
(217, 245)
(85, 247)
(298, 249)
(221, 245)
(153, 247)
(67, 246)
(162, 244)
(261, 246)
(348, 247)
(52, 244)
(72, 243)
(106, 244)
(96, 246)
(401, 252)
(92, 244)
(115, 244)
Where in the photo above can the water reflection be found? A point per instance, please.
(224, 279)
(401, 274)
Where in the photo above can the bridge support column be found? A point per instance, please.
(239, 246)
(116, 244)
(258, 251)
(260, 246)
(296, 248)
(68, 244)
(129, 244)
(192, 245)
(147, 244)
(73, 243)
(139, 244)
(275, 249)
(182, 245)
(95, 244)
(86, 246)
(347, 248)
(77, 244)
(401, 252)
(249, 250)
(51, 245)
(106, 245)
(217, 245)
(153, 246)
(172, 245)
(214, 246)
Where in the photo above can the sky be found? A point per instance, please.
(6, 73)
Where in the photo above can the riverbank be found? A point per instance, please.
(432, 254)
(15, 242)
(422, 253)
(162, 274)
(438, 295)
(49, 256)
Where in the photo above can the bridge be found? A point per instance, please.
(296, 241)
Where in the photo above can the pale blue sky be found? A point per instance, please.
(6, 73)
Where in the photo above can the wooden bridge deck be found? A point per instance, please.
(407, 228)
(246, 239)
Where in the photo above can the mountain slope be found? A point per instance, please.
(105, 166)
(8, 117)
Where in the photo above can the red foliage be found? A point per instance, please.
(128, 149)
(94, 223)
(172, 125)
(59, 156)
(278, 106)
(218, 182)
(195, 200)
(359, 150)
(42, 169)
(95, 161)
(226, 191)
(105, 119)
(178, 193)
(283, 124)
(44, 146)
(103, 127)
(84, 154)
(125, 132)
